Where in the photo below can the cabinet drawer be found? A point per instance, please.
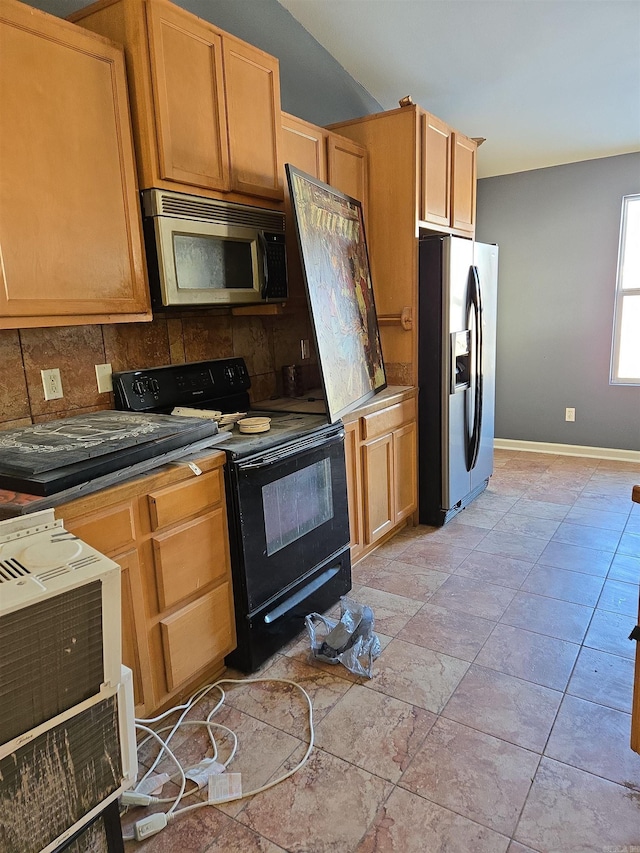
(108, 531)
(175, 503)
(197, 635)
(189, 557)
(386, 420)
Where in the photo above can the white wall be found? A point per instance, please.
(558, 232)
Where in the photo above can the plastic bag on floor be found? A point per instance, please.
(350, 640)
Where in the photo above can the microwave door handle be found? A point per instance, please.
(264, 290)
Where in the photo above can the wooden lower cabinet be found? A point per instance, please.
(168, 532)
(377, 487)
(381, 461)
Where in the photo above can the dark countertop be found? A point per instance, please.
(313, 402)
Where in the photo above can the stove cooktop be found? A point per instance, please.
(219, 384)
(285, 427)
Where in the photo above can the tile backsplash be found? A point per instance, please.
(266, 342)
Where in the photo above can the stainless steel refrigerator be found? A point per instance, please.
(456, 373)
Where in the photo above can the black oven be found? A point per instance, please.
(286, 502)
(289, 534)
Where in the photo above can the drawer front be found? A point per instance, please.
(109, 531)
(197, 635)
(386, 420)
(191, 556)
(175, 503)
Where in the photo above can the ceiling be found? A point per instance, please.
(545, 81)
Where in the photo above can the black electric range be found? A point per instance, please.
(286, 499)
(220, 385)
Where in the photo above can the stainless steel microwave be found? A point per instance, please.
(203, 251)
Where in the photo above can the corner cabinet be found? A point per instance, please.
(381, 460)
(168, 532)
(422, 177)
(206, 105)
(70, 230)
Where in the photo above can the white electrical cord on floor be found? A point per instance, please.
(154, 823)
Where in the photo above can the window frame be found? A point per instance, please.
(620, 294)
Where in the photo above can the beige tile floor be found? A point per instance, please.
(498, 715)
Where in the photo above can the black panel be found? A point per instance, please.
(102, 835)
(42, 459)
(50, 658)
(430, 371)
(258, 639)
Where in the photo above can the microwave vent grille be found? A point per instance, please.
(223, 212)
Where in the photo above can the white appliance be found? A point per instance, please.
(67, 734)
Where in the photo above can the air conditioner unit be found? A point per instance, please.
(67, 735)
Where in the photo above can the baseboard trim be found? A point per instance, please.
(567, 449)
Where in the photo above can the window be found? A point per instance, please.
(625, 356)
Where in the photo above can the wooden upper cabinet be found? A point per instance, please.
(463, 180)
(347, 168)
(252, 80)
(448, 176)
(304, 146)
(70, 232)
(435, 186)
(188, 94)
(206, 106)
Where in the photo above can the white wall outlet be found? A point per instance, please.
(103, 378)
(52, 384)
(570, 414)
(304, 348)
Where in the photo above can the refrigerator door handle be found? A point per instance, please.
(475, 309)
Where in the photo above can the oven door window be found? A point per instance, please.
(212, 263)
(286, 516)
(290, 516)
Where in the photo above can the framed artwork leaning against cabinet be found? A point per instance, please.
(335, 264)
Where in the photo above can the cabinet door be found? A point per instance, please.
(70, 229)
(347, 168)
(463, 215)
(252, 84)
(435, 189)
(405, 471)
(131, 600)
(190, 557)
(304, 146)
(197, 635)
(377, 480)
(188, 93)
(354, 486)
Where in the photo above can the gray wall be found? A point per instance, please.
(558, 232)
(314, 86)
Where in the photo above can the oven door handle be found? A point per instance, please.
(276, 457)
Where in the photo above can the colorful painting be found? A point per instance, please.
(335, 262)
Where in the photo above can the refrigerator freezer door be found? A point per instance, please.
(486, 262)
(457, 260)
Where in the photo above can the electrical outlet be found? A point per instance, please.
(52, 384)
(304, 348)
(103, 378)
(570, 414)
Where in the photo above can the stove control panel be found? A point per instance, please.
(196, 383)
